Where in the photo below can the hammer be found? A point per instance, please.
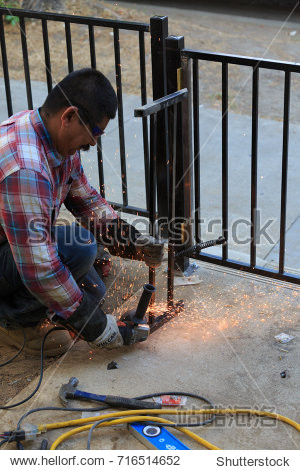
(69, 391)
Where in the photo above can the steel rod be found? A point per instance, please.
(5, 68)
(129, 209)
(152, 196)
(47, 55)
(76, 19)
(92, 46)
(161, 103)
(69, 46)
(196, 149)
(100, 166)
(144, 119)
(225, 158)
(26, 63)
(255, 78)
(284, 170)
(172, 213)
(120, 116)
(254, 62)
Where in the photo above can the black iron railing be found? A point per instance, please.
(256, 64)
(173, 67)
(169, 103)
(91, 23)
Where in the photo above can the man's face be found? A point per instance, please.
(76, 135)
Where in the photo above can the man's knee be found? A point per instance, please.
(77, 247)
(85, 245)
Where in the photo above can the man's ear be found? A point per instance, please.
(68, 115)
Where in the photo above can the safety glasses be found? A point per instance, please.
(84, 115)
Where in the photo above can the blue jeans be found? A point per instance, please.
(77, 249)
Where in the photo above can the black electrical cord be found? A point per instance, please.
(142, 397)
(88, 447)
(18, 353)
(155, 423)
(7, 407)
(191, 395)
(53, 408)
(145, 423)
(3, 442)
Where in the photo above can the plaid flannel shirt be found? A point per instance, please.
(34, 182)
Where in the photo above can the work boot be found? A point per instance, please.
(56, 344)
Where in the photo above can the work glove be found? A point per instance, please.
(152, 250)
(90, 323)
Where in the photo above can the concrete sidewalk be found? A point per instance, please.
(221, 347)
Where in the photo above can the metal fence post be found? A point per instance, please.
(159, 32)
(177, 78)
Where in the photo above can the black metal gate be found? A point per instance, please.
(92, 24)
(173, 68)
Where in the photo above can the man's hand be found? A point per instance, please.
(151, 249)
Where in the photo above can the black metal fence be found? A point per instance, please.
(91, 23)
(257, 64)
(170, 103)
(173, 68)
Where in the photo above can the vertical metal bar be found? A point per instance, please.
(172, 212)
(120, 116)
(159, 32)
(47, 55)
(100, 167)
(284, 171)
(69, 46)
(255, 79)
(92, 46)
(185, 122)
(225, 157)
(144, 119)
(174, 45)
(152, 197)
(26, 63)
(196, 149)
(99, 141)
(5, 68)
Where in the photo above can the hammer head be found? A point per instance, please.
(67, 391)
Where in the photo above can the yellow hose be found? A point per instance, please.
(132, 419)
(76, 422)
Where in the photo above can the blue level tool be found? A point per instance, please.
(156, 437)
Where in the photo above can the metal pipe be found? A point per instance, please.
(284, 170)
(196, 149)
(144, 301)
(47, 55)
(255, 77)
(5, 68)
(69, 46)
(225, 157)
(254, 62)
(144, 119)
(26, 63)
(120, 116)
(76, 19)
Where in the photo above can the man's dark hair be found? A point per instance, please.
(89, 90)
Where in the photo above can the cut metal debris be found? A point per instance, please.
(284, 338)
(112, 365)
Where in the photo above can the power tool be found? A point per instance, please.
(133, 324)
